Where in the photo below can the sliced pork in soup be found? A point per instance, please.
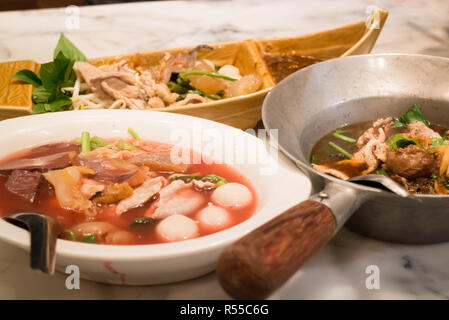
(409, 150)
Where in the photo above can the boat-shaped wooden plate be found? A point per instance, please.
(250, 56)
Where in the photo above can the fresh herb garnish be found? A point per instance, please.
(123, 145)
(382, 171)
(344, 138)
(85, 142)
(315, 159)
(345, 153)
(144, 221)
(53, 76)
(97, 142)
(439, 141)
(185, 75)
(214, 178)
(399, 141)
(133, 133)
(186, 179)
(414, 114)
(71, 234)
(89, 239)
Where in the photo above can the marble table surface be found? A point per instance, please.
(338, 271)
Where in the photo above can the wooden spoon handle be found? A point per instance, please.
(259, 263)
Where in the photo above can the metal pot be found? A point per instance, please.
(304, 107)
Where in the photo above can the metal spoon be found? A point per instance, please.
(385, 181)
(44, 232)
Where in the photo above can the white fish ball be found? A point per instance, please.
(213, 219)
(176, 228)
(232, 196)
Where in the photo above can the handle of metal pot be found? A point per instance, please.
(260, 262)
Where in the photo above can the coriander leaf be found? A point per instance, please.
(399, 141)
(68, 49)
(28, 76)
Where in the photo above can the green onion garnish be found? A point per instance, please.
(185, 75)
(70, 233)
(133, 133)
(315, 159)
(341, 150)
(85, 142)
(89, 239)
(342, 137)
(97, 142)
(144, 221)
(123, 145)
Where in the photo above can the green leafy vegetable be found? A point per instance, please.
(53, 76)
(143, 222)
(445, 183)
(342, 137)
(414, 114)
(186, 179)
(89, 239)
(345, 153)
(217, 68)
(28, 76)
(399, 141)
(315, 159)
(382, 171)
(185, 75)
(214, 178)
(85, 141)
(439, 141)
(123, 145)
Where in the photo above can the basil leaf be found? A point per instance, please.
(41, 95)
(399, 141)
(28, 76)
(39, 108)
(68, 49)
(58, 104)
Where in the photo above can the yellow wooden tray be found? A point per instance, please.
(241, 112)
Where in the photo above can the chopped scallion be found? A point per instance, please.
(133, 133)
(342, 137)
(340, 149)
(185, 75)
(85, 142)
(123, 145)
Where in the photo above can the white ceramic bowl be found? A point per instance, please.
(155, 263)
